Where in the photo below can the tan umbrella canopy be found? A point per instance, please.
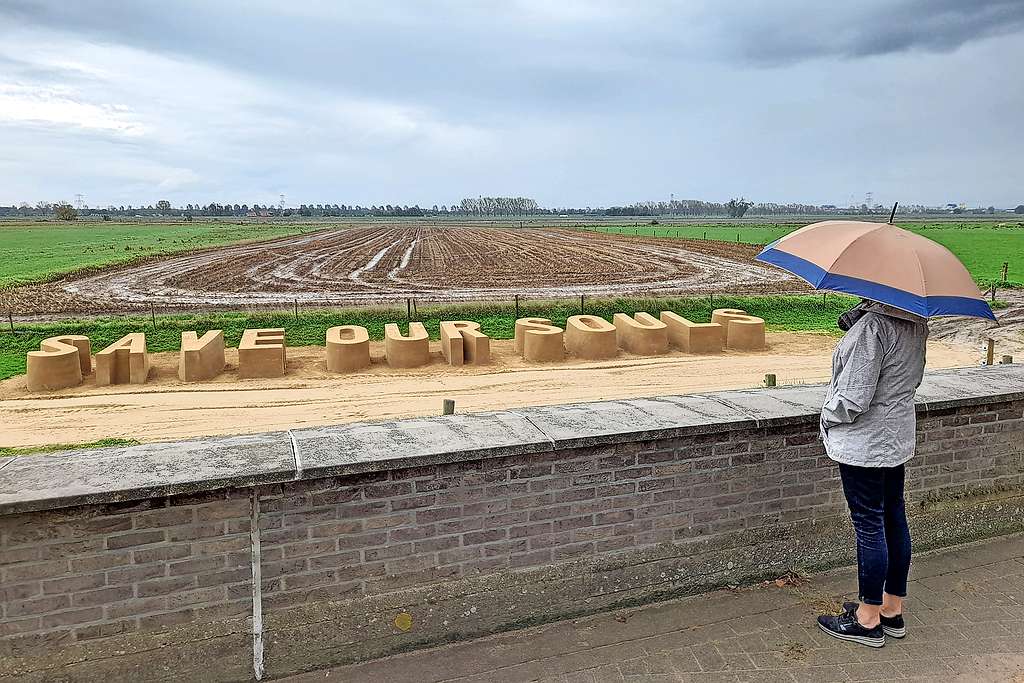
(881, 262)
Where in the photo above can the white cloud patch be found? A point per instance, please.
(62, 106)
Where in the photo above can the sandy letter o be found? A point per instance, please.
(590, 336)
(348, 348)
(742, 332)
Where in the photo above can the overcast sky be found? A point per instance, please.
(571, 102)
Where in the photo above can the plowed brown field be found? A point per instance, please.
(386, 263)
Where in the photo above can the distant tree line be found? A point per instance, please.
(480, 206)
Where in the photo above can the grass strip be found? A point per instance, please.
(6, 451)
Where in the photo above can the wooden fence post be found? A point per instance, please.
(448, 406)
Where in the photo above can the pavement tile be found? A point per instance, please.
(936, 669)
(1007, 568)
(764, 677)
(709, 658)
(646, 665)
(1014, 627)
(683, 661)
(577, 677)
(987, 668)
(753, 624)
(984, 629)
(775, 660)
(982, 614)
(935, 633)
(668, 641)
(871, 671)
(737, 661)
(819, 674)
(747, 643)
(607, 674)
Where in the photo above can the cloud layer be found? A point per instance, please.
(573, 103)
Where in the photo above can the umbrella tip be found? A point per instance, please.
(893, 214)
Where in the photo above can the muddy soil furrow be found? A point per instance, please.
(386, 263)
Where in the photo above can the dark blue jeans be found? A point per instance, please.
(875, 497)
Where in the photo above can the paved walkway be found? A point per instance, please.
(965, 619)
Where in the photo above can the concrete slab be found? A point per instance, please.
(362, 447)
(971, 386)
(45, 481)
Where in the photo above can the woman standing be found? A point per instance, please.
(868, 426)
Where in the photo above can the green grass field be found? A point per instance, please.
(38, 252)
(983, 246)
(805, 312)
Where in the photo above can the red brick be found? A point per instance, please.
(103, 596)
(134, 539)
(149, 589)
(73, 617)
(164, 517)
(73, 584)
(161, 554)
(44, 605)
(36, 570)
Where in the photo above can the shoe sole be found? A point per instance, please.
(861, 640)
(894, 632)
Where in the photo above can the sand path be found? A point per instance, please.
(166, 409)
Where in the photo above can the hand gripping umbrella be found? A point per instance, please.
(881, 262)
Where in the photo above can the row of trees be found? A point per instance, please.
(480, 206)
(734, 208)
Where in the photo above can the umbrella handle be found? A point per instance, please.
(893, 214)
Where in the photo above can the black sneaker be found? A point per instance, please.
(892, 626)
(846, 627)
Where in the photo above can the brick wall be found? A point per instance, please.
(163, 585)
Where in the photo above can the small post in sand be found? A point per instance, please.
(448, 407)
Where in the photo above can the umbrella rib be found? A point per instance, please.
(924, 285)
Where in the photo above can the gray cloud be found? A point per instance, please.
(796, 32)
(572, 102)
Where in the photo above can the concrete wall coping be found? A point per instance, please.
(78, 477)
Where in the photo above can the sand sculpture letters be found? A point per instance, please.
(65, 361)
(123, 362)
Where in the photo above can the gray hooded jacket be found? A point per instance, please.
(868, 418)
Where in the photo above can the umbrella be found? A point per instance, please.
(881, 262)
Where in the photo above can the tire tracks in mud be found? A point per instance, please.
(387, 263)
